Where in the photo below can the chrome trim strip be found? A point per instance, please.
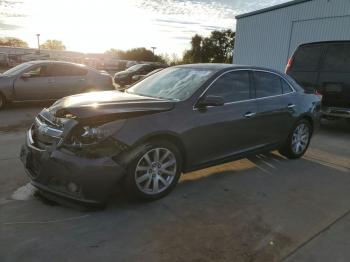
(252, 99)
(30, 141)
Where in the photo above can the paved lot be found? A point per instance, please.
(264, 208)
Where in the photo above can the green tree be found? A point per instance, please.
(53, 45)
(217, 48)
(194, 55)
(135, 54)
(116, 53)
(13, 42)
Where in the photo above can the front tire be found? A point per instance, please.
(298, 141)
(154, 172)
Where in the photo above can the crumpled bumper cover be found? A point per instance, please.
(58, 172)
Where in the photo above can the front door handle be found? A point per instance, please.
(51, 81)
(290, 106)
(249, 114)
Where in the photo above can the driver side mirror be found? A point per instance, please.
(210, 101)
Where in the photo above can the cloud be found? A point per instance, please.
(6, 26)
(177, 21)
(171, 23)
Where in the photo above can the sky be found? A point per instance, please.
(94, 26)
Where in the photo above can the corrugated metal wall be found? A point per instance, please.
(268, 39)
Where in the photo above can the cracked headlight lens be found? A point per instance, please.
(92, 135)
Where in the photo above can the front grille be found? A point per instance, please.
(45, 133)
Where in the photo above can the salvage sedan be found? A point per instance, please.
(178, 120)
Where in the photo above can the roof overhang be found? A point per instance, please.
(271, 8)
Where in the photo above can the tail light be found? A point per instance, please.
(289, 65)
(318, 93)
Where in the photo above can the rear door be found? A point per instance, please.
(224, 130)
(305, 65)
(275, 106)
(334, 77)
(70, 80)
(37, 83)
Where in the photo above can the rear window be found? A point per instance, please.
(337, 58)
(68, 70)
(307, 58)
(267, 84)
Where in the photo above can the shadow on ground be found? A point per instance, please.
(256, 209)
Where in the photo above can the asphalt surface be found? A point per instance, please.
(264, 208)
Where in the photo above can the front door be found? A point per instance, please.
(35, 84)
(228, 129)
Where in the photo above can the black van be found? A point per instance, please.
(324, 67)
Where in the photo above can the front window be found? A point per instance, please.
(232, 87)
(172, 83)
(17, 69)
(135, 68)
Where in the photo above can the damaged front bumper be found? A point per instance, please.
(59, 173)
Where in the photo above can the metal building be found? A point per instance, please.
(269, 36)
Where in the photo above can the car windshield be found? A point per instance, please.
(17, 69)
(134, 68)
(172, 83)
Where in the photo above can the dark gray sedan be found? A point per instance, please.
(178, 120)
(50, 80)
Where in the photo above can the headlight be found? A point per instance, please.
(90, 135)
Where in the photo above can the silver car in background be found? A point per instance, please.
(50, 80)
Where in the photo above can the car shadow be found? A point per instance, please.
(239, 212)
(255, 209)
(341, 126)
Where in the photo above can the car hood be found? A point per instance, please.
(108, 105)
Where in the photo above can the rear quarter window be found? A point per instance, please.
(286, 87)
(267, 84)
(337, 58)
(307, 58)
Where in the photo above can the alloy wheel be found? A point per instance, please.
(300, 138)
(155, 171)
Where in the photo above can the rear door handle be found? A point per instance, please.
(290, 106)
(51, 81)
(249, 114)
(81, 79)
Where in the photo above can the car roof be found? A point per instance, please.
(54, 62)
(225, 67)
(326, 42)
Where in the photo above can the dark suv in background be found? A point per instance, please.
(125, 77)
(325, 68)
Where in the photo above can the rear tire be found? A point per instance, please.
(298, 140)
(154, 172)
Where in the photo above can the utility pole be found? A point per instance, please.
(153, 48)
(38, 36)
